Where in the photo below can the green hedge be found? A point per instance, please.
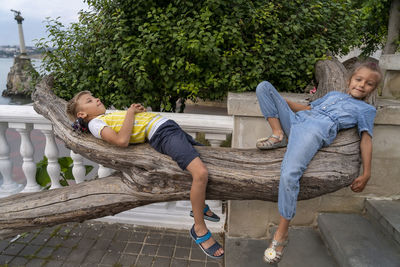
(156, 52)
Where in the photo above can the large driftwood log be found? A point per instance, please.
(145, 176)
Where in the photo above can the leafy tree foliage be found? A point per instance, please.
(156, 52)
(373, 23)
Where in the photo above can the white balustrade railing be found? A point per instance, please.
(8, 186)
(78, 171)
(24, 119)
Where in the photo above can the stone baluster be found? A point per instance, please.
(104, 172)
(78, 170)
(51, 152)
(8, 187)
(215, 139)
(27, 150)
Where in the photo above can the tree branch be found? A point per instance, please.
(146, 176)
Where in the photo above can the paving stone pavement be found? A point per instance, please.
(94, 243)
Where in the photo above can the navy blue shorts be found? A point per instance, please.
(171, 140)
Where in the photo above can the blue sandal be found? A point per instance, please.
(214, 217)
(200, 239)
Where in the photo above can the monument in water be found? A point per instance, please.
(20, 78)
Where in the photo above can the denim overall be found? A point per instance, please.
(308, 131)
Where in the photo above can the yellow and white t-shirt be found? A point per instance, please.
(144, 126)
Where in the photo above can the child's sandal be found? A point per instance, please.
(273, 256)
(266, 142)
(214, 217)
(208, 251)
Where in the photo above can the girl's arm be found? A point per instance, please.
(360, 182)
(296, 106)
(123, 136)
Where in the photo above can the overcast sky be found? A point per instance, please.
(34, 13)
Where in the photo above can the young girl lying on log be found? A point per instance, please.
(306, 129)
(135, 126)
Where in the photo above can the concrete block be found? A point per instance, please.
(241, 252)
(384, 178)
(385, 214)
(306, 211)
(250, 218)
(243, 104)
(246, 104)
(388, 115)
(332, 203)
(353, 241)
(242, 214)
(251, 127)
(344, 192)
(390, 62)
(385, 147)
(391, 84)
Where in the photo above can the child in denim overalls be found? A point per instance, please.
(309, 128)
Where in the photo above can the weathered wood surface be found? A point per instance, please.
(330, 75)
(145, 176)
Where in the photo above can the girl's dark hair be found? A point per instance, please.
(80, 125)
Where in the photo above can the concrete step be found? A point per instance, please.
(305, 249)
(354, 241)
(385, 214)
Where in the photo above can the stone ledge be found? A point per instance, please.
(388, 115)
(390, 62)
(388, 112)
(246, 104)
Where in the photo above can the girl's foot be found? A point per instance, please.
(272, 141)
(274, 253)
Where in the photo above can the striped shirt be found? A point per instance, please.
(144, 126)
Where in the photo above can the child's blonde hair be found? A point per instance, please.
(72, 105)
(368, 65)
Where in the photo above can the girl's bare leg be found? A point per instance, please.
(276, 128)
(282, 232)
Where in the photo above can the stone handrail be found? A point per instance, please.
(23, 119)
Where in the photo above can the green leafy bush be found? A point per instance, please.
(373, 24)
(156, 52)
(66, 164)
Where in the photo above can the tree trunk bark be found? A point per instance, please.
(146, 176)
(330, 75)
(393, 28)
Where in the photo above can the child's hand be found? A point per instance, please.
(359, 184)
(136, 108)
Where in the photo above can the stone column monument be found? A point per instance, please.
(19, 79)
(19, 20)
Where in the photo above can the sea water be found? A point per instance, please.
(5, 65)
